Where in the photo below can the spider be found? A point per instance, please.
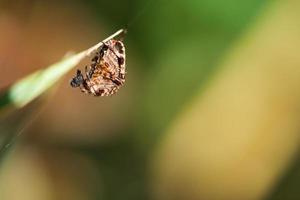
(106, 73)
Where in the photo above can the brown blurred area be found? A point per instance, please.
(35, 34)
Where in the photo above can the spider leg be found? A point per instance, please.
(88, 71)
(102, 49)
(84, 89)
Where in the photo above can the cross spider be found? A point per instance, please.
(106, 74)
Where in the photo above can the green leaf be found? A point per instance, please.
(30, 87)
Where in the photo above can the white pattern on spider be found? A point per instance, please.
(106, 74)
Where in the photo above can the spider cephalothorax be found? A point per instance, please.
(106, 73)
(77, 80)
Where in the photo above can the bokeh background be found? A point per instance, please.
(210, 109)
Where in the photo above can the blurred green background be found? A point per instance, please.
(210, 109)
